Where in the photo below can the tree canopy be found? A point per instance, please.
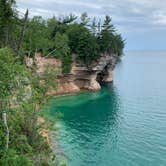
(85, 37)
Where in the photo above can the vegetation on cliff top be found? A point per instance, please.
(21, 92)
(60, 37)
(69, 35)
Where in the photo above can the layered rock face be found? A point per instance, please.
(81, 77)
(65, 85)
(41, 63)
(91, 77)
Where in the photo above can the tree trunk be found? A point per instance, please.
(3, 108)
(51, 52)
(4, 116)
(22, 32)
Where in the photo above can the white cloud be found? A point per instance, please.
(130, 16)
(130, 11)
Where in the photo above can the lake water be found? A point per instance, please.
(124, 124)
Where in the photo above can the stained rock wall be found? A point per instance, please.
(80, 77)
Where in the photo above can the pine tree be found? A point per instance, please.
(106, 34)
(84, 19)
(94, 27)
(6, 16)
(87, 48)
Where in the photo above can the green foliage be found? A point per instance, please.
(109, 40)
(25, 142)
(83, 43)
(62, 51)
(66, 64)
(87, 48)
(52, 23)
(7, 72)
(36, 37)
(106, 34)
(2, 135)
(69, 19)
(117, 44)
(84, 18)
(93, 27)
(6, 18)
(73, 32)
(12, 158)
(61, 45)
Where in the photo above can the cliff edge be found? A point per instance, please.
(80, 78)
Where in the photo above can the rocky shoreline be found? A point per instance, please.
(80, 78)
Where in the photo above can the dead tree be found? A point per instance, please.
(3, 109)
(22, 32)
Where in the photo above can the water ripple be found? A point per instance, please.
(124, 124)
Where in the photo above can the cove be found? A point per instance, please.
(124, 124)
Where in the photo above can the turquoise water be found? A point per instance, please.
(124, 124)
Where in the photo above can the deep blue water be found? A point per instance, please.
(124, 124)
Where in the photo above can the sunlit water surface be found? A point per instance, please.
(124, 124)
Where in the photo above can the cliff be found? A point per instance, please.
(81, 77)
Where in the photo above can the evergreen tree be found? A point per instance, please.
(117, 44)
(62, 51)
(87, 49)
(106, 34)
(109, 40)
(74, 31)
(36, 37)
(94, 27)
(51, 25)
(84, 19)
(83, 43)
(6, 18)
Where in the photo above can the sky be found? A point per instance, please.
(142, 23)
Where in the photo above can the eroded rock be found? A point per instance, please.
(80, 77)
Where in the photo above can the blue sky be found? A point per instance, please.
(142, 23)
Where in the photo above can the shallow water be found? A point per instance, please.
(124, 124)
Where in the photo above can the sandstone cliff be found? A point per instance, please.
(81, 77)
